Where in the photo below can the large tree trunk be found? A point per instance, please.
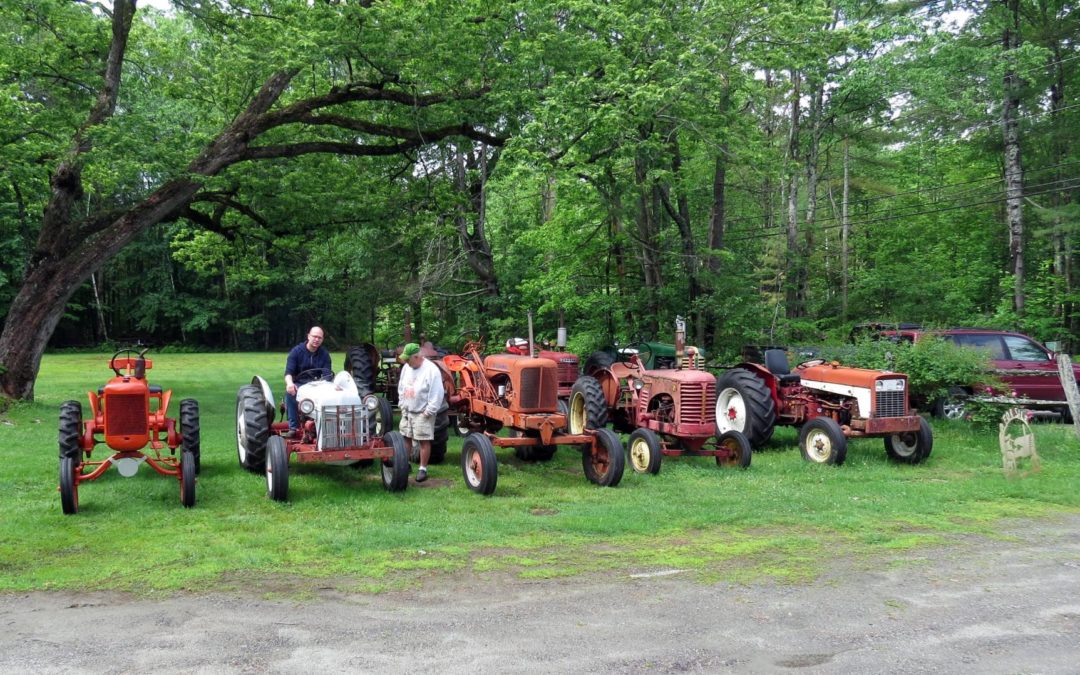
(796, 257)
(472, 223)
(680, 213)
(1014, 173)
(648, 237)
(845, 232)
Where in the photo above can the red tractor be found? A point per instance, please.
(568, 367)
(338, 426)
(520, 393)
(830, 403)
(128, 414)
(668, 411)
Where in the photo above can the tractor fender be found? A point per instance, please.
(271, 406)
(766, 376)
(449, 386)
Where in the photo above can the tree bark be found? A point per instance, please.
(796, 257)
(1014, 173)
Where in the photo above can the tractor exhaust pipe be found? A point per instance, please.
(680, 341)
(532, 344)
(560, 340)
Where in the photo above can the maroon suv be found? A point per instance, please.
(1008, 352)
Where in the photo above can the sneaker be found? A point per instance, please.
(421, 475)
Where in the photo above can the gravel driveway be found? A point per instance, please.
(975, 606)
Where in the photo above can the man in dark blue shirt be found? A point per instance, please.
(308, 361)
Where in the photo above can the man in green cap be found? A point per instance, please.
(420, 395)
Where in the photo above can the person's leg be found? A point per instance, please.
(424, 428)
(292, 412)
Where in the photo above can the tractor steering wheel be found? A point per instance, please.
(644, 353)
(319, 374)
(138, 368)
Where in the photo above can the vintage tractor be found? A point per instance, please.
(337, 426)
(520, 393)
(666, 411)
(829, 402)
(128, 414)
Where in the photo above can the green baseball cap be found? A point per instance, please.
(409, 351)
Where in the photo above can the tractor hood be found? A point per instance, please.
(844, 375)
(506, 363)
(681, 376)
(878, 392)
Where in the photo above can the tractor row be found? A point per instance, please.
(660, 395)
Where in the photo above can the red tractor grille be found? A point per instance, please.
(539, 389)
(697, 403)
(890, 404)
(125, 414)
(568, 372)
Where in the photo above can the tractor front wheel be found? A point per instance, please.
(734, 449)
(188, 466)
(744, 403)
(646, 451)
(189, 430)
(277, 469)
(588, 407)
(910, 447)
(71, 427)
(252, 428)
(69, 485)
(822, 441)
(478, 464)
(395, 473)
(604, 460)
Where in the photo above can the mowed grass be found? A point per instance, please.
(783, 518)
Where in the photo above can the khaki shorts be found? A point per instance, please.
(417, 426)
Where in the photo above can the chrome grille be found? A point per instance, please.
(890, 404)
(697, 403)
(344, 426)
(125, 414)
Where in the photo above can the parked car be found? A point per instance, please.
(1014, 356)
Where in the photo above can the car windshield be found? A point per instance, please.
(1023, 349)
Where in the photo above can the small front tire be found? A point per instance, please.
(910, 447)
(478, 464)
(822, 441)
(188, 469)
(277, 469)
(189, 431)
(395, 473)
(646, 451)
(605, 460)
(69, 485)
(734, 450)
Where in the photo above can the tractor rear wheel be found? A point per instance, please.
(910, 447)
(597, 361)
(744, 403)
(823, 442)
(532, 453)
(735, 449)
(588, 407)
(71, 427)
(645, 450)
(252, 428)
(358, 363)
(189, 430)
(478, 464)
(277, 469)
(188, 466)
(442, 435)
(605, 460)
(69, 485)
(395, 473)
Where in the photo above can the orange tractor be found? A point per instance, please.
(520, 393)
(127, 414)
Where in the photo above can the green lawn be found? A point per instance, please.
(781, 518)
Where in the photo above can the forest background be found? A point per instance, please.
(221, 174)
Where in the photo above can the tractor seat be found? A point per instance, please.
(777, 363)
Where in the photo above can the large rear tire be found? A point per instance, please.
(69, 485)
(910, 447)
(823, 442)
(588, 407)
(71, 427)
(442, 435)
(646, 451)
(358, 363)
(395, 473)
(605, 460)
(744, 403)
(188, 468)
(189, 431)
(478, 464)
(597, 361)
(277, 469)
(252, 428)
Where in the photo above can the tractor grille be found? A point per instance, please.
(697, 403)
(568, 372)
(539, 389)
(125, 414)
(890, 404)
(343, 426)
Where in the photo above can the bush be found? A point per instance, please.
(933, 366)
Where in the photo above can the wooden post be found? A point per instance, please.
(1068, 382)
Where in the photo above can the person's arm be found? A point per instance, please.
(435, 391)
(290, 370)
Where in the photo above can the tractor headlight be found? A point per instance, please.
(307, 406)
(889, 385)
(638, 384)
(371, 402)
